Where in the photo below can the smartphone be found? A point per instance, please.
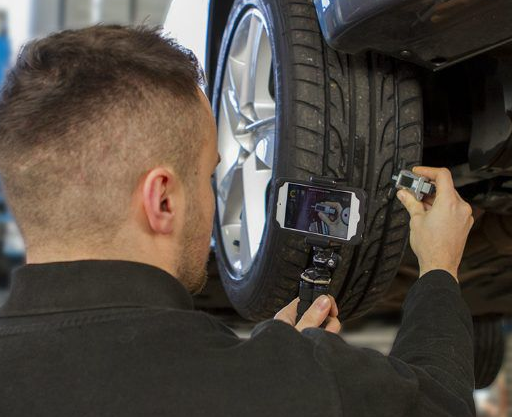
(330, 212)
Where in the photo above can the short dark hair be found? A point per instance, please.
(83, 115)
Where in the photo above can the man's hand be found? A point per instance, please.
(323, 309)
(440, 226)
(333, 221)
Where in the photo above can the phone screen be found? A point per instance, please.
(318, 210)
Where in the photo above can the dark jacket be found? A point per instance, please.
(117, 338)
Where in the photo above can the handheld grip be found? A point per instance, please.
(308, 293)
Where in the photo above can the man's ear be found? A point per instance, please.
(159, 199)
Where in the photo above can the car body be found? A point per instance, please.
(357, 90)
(427, 33)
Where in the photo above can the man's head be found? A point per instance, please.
(106, 149)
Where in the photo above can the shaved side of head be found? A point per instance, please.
(83, 116)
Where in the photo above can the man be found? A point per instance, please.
(107, 148)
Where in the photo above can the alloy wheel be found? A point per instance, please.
(246, 132)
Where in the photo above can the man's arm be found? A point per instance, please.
(430, 369)
(436, 341)
(439, 226)
(436, 336)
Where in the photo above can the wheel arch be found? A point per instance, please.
(218, 16)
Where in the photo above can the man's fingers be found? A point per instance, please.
(333, 325)
(289, 313)
(334, 307)
(427, 206)
(325, 219)
(316, 314)
(333, 204)
(441, 176)
(428, 199)
(323, 309)
(428, 202)
(413, 206)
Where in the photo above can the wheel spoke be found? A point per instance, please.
(265, 152)
(265, 140)
(256, 177)
(233, 68)
(255, 132)
(245, 243)
(250, 59)
(230, 193)
(262, 123)
(231, 237)
(264, 103)
(231, 109)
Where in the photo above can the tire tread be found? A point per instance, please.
(332, 133)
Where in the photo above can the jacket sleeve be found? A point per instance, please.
(436, 339)
(429, 371)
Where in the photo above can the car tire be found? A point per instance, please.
(357, 118)
(489, 349)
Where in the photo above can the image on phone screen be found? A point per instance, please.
(322, 211)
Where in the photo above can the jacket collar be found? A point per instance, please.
(92, 284)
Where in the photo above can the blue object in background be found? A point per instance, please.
(12, 248)
(5, 46)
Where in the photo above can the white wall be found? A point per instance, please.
(18, 22)
(29, 18)
(187, 22)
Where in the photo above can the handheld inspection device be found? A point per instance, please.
(328, 214)
(419, 186)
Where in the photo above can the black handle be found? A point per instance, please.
(308, 293)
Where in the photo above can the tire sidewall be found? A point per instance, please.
(247, 289)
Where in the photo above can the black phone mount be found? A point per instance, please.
(315, 280)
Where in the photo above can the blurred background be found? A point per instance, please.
(22, 20)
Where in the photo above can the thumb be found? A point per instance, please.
(316, 314)
(413, 206)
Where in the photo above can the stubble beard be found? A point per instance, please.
(192, 269)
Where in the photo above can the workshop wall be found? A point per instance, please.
(52, 15)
